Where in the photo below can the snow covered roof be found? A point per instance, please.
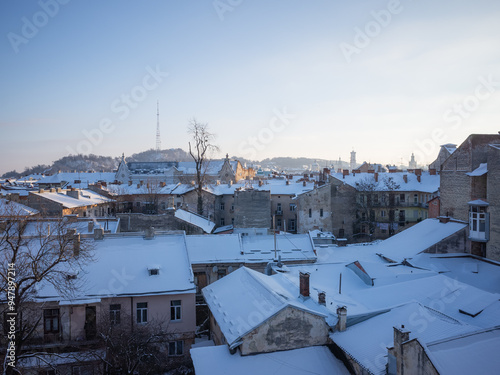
(85, 178)
(9, 209)
(120, 268)
(450, 147)
(479, 171)
(470, 269)
(367, 342)
(478, 202)
(142, 190)
(235, 248)
(85, 198)
(275, 186)
(194, 219)
(392, 181)
(244, 299)
(313, 360)
(417, 239)
(470, 353)
(213, 167)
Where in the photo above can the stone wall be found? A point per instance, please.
(141, 222)
(289, 329)
(314, 210)
(493, 198)
(252, 209)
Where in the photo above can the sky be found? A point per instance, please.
(270, 78)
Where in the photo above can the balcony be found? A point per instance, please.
(278, 212)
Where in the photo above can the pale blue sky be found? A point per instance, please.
(417, 78)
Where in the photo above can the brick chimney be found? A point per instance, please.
(345, 172)
(375, 176)
(432, 171)
(304, 183)
(401, 335)
(98, 234)
(322, 298)
(371, 170)
(304, 284)
(73, 193)
(418, 172)
(149, 233)
(405, 178)
(443, 219)
(419, 178)
(342, 315)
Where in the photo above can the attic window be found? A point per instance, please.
(154, 271)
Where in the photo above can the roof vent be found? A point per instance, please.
(154, 271)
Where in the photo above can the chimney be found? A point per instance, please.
(405, 178)
(149, 233)
(261, 183)
(73, 193)
(375, 175)
(304, 284)
(444, 219)
(52, 190)
(419, 177)
(75, 238)
(371, 170)
(130, 183)
(401, 335)
(322, 298)
(342, 315)
(432, 171)
(230, 183)
(418, 172)
(91, 226)
(304, 183)
(98, 234)
(288, 182)
(345, 172)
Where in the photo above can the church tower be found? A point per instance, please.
(352, 165)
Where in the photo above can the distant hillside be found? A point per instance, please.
(108, 163)
(173, 154)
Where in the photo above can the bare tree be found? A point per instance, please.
(128, 349)
(201, 150)
(34, 253)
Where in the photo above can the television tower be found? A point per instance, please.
(158, 139)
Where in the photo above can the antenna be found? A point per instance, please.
(158, 139)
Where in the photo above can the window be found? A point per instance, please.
(51, 320)
(291, 225)
(142, 312)
(415, 214)
(401, 197)
(154, 271)
(321, 212)
(375, 198)
(114, 314)
(415, 198)
(222, 206)
(478, 223)
(222, 222)
(293, 206)
(382, 213)
(278, 207)
(175, 348)
(82, 370)
(310, 213)
(175, 310)
(278, 223)
(232, 207)
(221, 273)
(138, 204)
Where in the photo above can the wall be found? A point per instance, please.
(315, 201)
(141, 222)
(252, 209)
(493, 198)
(289, 329)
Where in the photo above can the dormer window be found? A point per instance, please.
(479, 221)
(154, 271)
